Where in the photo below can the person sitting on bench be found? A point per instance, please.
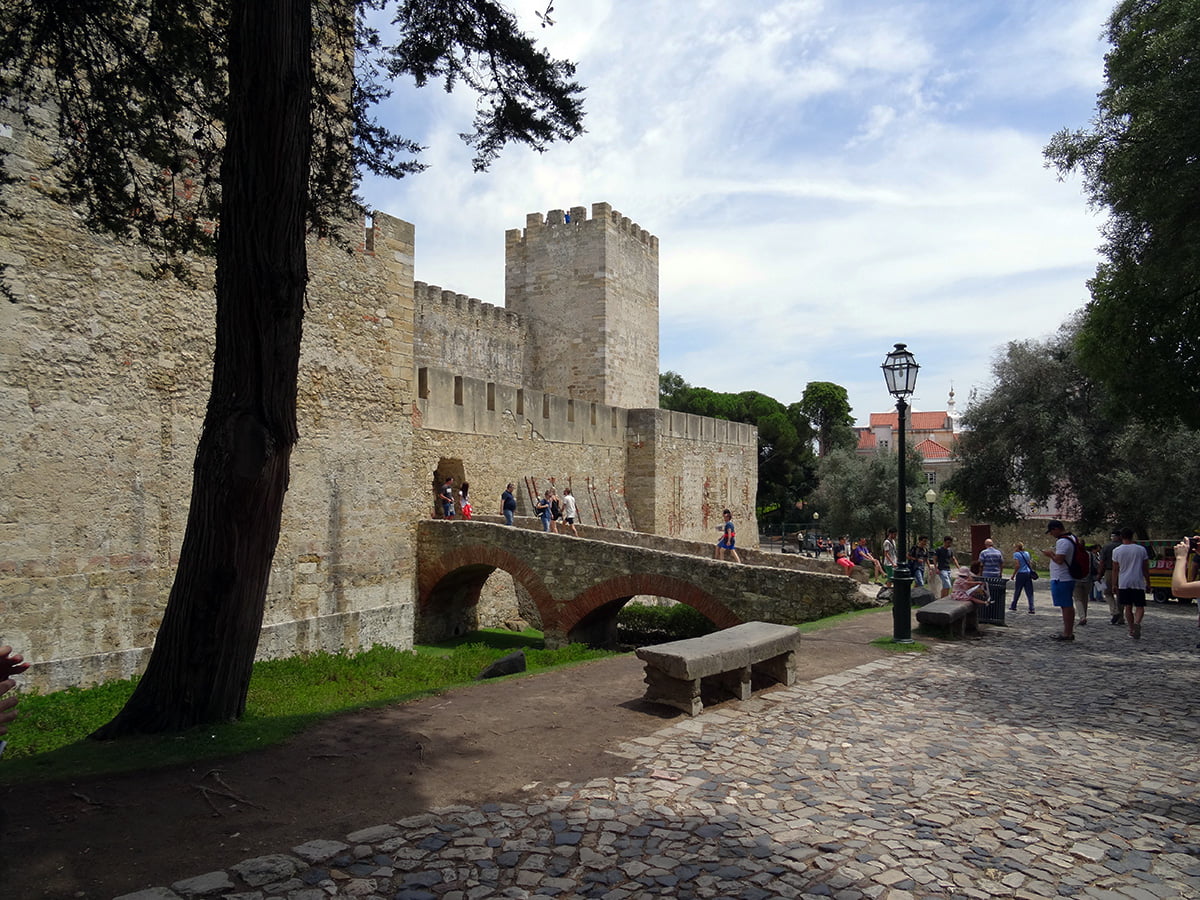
(967, 586)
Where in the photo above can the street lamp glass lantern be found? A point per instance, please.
(930, 495)
(900, 372)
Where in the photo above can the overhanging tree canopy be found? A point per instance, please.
(238, 126)
(1140, 161)
(1047, 429)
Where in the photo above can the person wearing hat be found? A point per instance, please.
(1062, 585)
(967, 586)
(1105, 575)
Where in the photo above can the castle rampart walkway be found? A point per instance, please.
(580, 584)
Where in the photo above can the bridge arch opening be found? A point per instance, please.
(452, 589)
(591, 618)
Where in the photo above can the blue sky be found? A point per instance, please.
(825, 179)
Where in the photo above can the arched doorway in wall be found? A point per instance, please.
(452, 468)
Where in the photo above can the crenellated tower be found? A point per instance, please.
(588, 290)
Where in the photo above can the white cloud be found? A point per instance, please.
(825, 179)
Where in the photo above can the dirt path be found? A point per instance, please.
(491, 741)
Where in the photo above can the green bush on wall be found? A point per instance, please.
(638, 623)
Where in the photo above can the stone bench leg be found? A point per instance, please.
(737, 682)
(680, 693)
(781, 668)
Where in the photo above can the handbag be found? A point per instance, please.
(1033, 575)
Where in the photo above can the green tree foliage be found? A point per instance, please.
(1139, 161)
(785, 458)
(827, 407)
(857, 494)
(671, 388)
(1047, 429)
(237, 126)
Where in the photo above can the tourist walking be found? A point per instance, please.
(555, 511)
(464, 503)
(1106, 576)
(446, 495)
(1131, 569)
(918, 554)
(728, 539)
(543, 509)
(508, 504)
(1062, 585)
(569, 510)
(889, 556)
(1022, 576)
(946, 563)
(1082, 592)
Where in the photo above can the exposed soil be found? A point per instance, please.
(500, 740)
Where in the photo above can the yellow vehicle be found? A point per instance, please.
(1162, 566)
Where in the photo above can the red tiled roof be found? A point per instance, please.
(866, 439)
(918, 421)
(931, 449)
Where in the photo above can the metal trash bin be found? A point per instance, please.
(993, 613)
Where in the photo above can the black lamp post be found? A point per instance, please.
(900, 373)
(930, 497)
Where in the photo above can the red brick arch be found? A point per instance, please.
(651, 584)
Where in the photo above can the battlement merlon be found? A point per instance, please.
(603, 216)
(431, 297)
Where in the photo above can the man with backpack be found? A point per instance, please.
(1064, 570)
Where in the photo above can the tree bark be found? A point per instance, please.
(199, 671)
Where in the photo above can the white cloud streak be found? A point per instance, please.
(825, 179)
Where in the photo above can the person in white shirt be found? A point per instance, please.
(1131, 573)
(569, 510)
(1062, 585)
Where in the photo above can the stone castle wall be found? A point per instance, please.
(104, 377)
(589, 289)
(473, 338)
(684, 470)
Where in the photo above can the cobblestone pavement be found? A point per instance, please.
(1006, 766)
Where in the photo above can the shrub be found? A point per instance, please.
(639, 624)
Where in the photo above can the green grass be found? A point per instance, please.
(49, 739)
(48, 742)
(818, 624)
(886, 643)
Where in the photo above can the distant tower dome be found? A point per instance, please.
(954, 415)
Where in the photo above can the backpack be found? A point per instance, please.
(1079, 563)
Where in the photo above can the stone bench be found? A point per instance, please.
(959, 616)
(726, 661)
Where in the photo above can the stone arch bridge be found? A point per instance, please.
(580, 584)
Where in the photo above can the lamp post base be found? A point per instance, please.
(902, 583)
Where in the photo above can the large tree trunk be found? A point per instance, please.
(200, 669)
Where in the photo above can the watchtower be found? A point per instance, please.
(588, 289)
